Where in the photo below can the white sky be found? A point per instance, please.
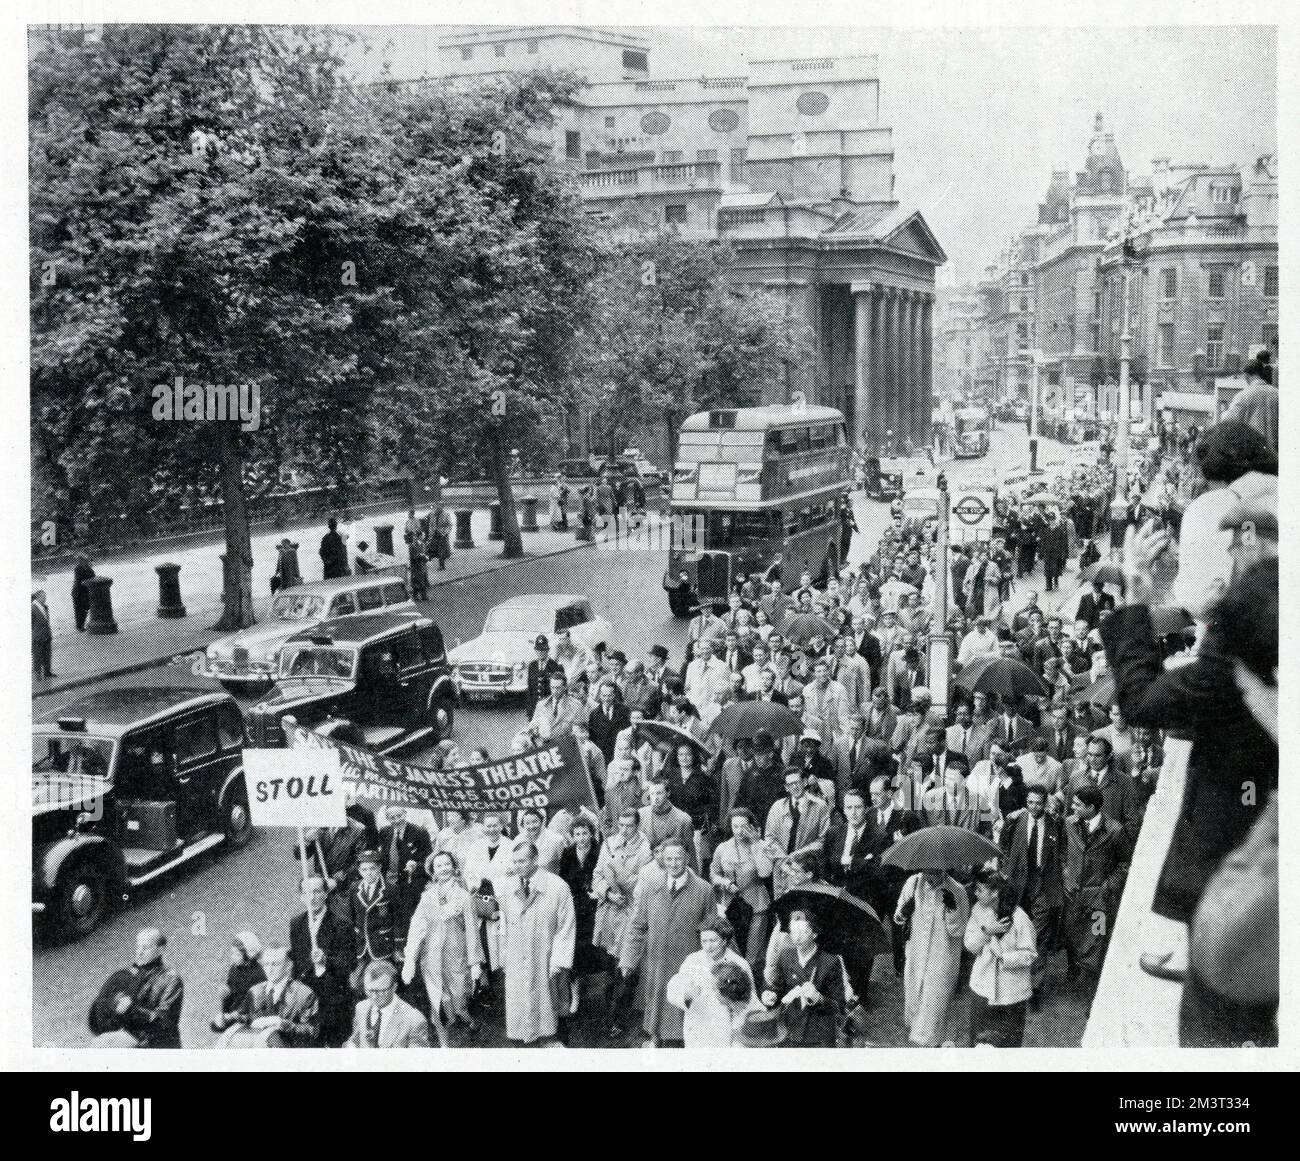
(982, 116)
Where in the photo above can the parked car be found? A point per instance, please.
(885, 476)
(495, 663)
(248, 662)
(387, 676)
(127, 784)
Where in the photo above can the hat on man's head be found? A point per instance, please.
(811, 736)
(541, 642)
(618, 655)
(763, 741)
(370, 857)
(659, 651)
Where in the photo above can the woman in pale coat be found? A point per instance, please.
(1004, 951)
(711, 1019)
(621, 858)
(939, 915)
(443, 941)
(557, 516)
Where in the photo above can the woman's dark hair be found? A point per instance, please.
(1231, 449)
(814, 924)
(1246, 617)
(583, 823)
(810, 861)
(717, 924)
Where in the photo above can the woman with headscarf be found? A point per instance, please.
(245, 971)
(443, 943)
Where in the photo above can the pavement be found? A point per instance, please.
(143, 640)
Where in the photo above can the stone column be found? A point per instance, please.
(907, 387)
(865, 386)
(927, 364)
(914, 430)
(879, 367)
(892, 380)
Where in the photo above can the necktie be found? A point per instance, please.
(372, 1028)
(965, 737)
(794, 827)
(1033, 846)
(853, 757)
(524, 884)
(394, 855)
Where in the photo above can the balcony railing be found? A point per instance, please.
(705, 174)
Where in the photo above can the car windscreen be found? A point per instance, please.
(73, 755)
(317, 661)
(520, 620)
(297, 607)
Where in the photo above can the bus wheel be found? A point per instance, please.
(679, 603)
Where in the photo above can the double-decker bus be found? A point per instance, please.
(755, 491)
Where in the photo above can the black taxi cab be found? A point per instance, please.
(386, 676)
(127, 784)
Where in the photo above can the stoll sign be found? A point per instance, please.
(972, 514)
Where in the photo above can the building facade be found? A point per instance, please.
(789, 165)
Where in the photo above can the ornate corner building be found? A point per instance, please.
(788, 164)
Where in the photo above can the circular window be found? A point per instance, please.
(654, 124)
(723, 120)
(812, 104)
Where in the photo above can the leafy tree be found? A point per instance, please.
(673, 334)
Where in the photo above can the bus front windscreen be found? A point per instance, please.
(727, 530)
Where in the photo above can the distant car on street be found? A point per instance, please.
(248, 662)
(495, 663)
(127, 784)
(921, 507)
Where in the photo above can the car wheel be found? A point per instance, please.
(237, 821)
(442, 715)
(81, 899)
(679, 603)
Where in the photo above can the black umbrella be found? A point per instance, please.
(1166, 619)
(1106, 572)
(1002, 675)
(744, 719)
(800, 628)
(847, 923)
(664, 735)
(941, 848)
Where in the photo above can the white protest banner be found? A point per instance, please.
(295, 788)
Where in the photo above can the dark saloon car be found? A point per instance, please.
(126, 785)
(386, 676)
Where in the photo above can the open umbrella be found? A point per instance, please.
(1104, 571)
(941, 848)
(664, 735)
(1002, 675)
(745, 718)
(800, 628)
(847, 923)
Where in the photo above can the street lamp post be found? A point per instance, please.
(1119, 505)
(1033, 411)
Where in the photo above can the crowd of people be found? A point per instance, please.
(661, 904)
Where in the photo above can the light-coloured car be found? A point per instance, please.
(496, 662)
(248, 661)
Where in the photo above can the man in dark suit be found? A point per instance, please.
(1020, 621)
(767, 690)
(1054, 547)
(660, 672)
(326, 965)
(733, 656)
(1097, 855)
(847, 853)
(607, 719)
(1120, 798)
(868, 647)
(888, 824)
(1009, 727)
(539, 675)
(1093, 604)
(1032, 854)
(405, 847)
(1060, 733)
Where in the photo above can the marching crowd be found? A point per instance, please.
(750, 792)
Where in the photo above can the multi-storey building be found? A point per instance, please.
(961, 343)
(1202, 272)
(788, 163)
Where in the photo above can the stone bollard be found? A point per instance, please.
(169, 592)
(384, 539)
(530, 514)
(494, 523)
(100, 622)
(464, 536)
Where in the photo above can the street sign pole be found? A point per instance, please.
(1119, 505)
(1033, 412)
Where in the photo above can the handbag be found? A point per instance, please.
(485, 906)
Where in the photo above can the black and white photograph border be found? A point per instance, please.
(430, 427)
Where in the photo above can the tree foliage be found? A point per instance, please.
(673, 333)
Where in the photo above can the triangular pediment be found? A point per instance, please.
(915, 237)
